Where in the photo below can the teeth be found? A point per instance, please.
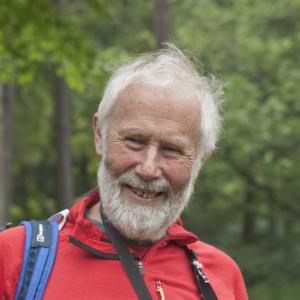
(144, 194)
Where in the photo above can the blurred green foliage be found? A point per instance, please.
(247, 198)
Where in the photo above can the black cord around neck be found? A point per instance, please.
(126, 259)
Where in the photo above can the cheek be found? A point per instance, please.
(178, 173)
(118, 161)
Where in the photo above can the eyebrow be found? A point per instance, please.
(174, 143)
(144, 134)
(135, 133)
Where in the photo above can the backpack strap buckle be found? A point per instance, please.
(203, 283)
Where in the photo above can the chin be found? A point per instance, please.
(137, 221)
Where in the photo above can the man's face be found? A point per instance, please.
(146, 174)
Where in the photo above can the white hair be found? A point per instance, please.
(164, 67)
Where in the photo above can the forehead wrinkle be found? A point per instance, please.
(165, 113)
(144, 102)
(184, 95)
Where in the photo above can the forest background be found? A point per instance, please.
(55, 58)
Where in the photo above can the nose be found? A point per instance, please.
(148, 167)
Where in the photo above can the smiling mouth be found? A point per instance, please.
(146, 194)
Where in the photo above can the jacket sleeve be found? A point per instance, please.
(11, 255)
(236, 283)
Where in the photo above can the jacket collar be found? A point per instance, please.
(87, 235)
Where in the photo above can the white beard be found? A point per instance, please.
(136, 221)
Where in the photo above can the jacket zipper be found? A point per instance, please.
(159, 289)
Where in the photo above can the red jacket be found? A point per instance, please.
(86, 265)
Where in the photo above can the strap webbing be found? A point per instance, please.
(39, 254)
(127, 260)
(204, 286)
(21, 283)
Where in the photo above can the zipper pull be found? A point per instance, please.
(160, 289)
(140, 267)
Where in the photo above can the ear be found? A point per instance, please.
(97, 135)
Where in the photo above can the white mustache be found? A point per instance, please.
(133, 180)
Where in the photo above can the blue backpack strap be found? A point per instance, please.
(39, 255)
(28, 233)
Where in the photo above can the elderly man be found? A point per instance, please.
(156, 125)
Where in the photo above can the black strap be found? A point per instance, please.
(134, 275)
(202, 281)
(127, 260)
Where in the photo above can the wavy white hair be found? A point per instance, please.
(164, 67)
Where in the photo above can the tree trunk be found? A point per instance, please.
(290, 251)
(5, 152)
(272, 216)
(161, 22)
(249, 216)
(65, 192)
(63, 135)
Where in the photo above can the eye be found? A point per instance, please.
(171, 152)
(134, 143)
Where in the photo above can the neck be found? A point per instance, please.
(94, 212)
